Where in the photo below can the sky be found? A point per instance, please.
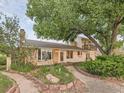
(18, 8)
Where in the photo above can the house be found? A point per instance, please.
(47, 53)
(119, 51)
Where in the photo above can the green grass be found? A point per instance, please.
(22, 67)
(5, 83)
(105, 66)
(58, 71)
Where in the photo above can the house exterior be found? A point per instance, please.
(48, 53)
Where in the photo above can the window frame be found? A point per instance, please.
(47, 51)
(69, 54)
(79, 53)
(39, 52)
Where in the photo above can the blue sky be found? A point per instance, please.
(18, 8)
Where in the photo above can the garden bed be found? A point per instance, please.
(58, 71)
(105, 66)
(40, 72)
(74, 86)
(22, 67)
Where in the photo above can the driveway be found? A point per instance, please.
(95, 85)
(25, 85)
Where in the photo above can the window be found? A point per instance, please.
(69, 54)
(79, 53)
(39, 54)
(44, 54)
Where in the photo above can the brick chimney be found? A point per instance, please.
(22, 37)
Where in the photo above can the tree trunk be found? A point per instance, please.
(114, 33)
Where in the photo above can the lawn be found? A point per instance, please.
(5, 83)
(105, 66)
(58, 71)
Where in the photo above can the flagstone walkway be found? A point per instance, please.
(25, 85)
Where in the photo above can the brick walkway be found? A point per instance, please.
(25, 85)
(29, 84)
(95, 85)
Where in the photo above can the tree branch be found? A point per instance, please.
(90, 37)
(115, 30)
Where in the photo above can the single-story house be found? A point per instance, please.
(47, 53)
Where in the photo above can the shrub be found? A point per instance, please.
(22, 67)
(111, 58)
(2, 60)
(112, 66)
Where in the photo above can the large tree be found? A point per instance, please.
(99, 20)
(9, 35)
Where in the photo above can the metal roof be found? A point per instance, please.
(42, 44)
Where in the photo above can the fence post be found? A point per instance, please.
(8, 63)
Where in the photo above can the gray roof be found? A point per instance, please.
(38, 44)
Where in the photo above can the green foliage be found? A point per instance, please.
(2, 60)
(22, 67)
(65, 19)
(5, 83)
(57, 70)
(111, 58)
(106, 66)
(9, 35)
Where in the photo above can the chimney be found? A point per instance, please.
(22, 37)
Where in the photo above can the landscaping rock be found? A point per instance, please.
(52, 78)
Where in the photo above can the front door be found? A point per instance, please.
(61, 56)
(55, 56)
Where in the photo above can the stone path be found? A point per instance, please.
(95, 85)
(25, 85)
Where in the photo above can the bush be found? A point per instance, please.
(111, 58)
(22, 67)
(2, 60)
(112, 66)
